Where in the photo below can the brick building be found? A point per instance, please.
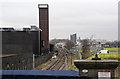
(44, 26)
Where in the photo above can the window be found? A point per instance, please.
(43, 43)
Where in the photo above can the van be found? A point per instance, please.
(104, 51)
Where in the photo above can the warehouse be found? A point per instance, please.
(18, 47)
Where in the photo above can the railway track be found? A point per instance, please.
(53, 65)
(57, 64)
(60, 62)
(62, 66)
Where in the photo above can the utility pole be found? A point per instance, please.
(66, 62)
(117, 71)
(71, 58)
(71, 55)
(80, 55)
(33, 61)
(91, 42)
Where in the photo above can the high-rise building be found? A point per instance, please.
(44, 26)
(73, 38)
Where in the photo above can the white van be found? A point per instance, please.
(104, 51)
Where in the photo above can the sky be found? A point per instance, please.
(86, 18)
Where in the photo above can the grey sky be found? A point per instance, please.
(84, 17)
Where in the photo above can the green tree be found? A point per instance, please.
(69, 44)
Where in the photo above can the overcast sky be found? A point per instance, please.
(84, 17)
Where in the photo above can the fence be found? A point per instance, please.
(23, 62)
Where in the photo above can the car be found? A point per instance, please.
(53, 57)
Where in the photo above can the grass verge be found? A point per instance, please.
(73, 67)
(107, 56)
(44, 65)
(112, 49)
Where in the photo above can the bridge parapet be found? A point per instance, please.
(97, 69)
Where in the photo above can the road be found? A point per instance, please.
(76, 52)
(114, 52)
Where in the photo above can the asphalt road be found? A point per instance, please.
(114, 52)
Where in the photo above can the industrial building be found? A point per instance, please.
(17, 41)
(73, 37)
(44, 26)
(18, 47)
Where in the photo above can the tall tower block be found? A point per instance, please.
(44, 25)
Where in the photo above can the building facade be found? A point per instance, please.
(73, 38)
(18, 47)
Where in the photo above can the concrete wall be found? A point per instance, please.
(22, 44)
(23, 62)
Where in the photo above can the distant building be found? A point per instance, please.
(44, 26)
(73, 37)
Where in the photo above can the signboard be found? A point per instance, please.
(104, 75)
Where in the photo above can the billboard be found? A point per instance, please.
(104, 75)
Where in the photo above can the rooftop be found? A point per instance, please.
(32, 28)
